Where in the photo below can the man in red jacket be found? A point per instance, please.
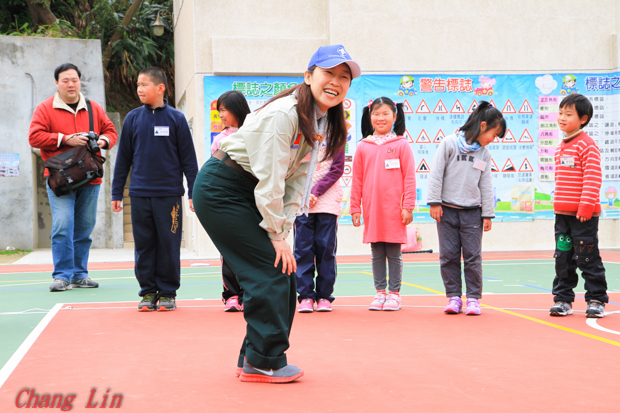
(56, 126)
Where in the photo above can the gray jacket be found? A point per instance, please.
(461, 180)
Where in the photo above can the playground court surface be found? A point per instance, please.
(93, 344)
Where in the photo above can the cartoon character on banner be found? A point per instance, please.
(569, 85)
(406, 86)
(610, 194)
(486, 86)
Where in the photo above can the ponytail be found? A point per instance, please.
(485, 112)
(397, 108)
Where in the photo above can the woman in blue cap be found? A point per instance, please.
(247, 196)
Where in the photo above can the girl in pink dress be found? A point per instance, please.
(232, 108)
(384, 190)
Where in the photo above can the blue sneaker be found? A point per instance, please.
(286, 374)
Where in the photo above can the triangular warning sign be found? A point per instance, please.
(496, 140)
(526, 107)
(440, 108)
(423, 167)
(423, 108)
(526, 166)
(509, 137)
(472, 107)
(439, 137)
(423, 138)
(526, 137)
(508, 166)
(494, 167)
(457, 108)
(346, 180)
(407, 135)
(407, 107)
(508, 107)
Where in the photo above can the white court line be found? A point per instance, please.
(593, 322)
(10, 365)
(29, 311)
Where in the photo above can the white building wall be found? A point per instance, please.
(240, 37)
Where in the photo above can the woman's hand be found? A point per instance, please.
(283, 251)
(356, 219)
(406, 216)
(436, 212)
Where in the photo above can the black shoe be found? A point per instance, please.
(561, 309)
(596, 309)
(148, 303)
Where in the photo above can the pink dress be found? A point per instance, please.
(383, 185)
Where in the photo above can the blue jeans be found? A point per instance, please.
(73, 220)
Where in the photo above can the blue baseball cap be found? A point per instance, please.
(327, 57)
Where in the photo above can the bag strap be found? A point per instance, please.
(90, 116)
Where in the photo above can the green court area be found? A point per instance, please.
(26, 298)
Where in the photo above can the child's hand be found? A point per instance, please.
(436, 212)
(406, 216)
(487, 224)
(116, 206)
(356, 219)
(581, 219)
(313, 199)
(191, 205)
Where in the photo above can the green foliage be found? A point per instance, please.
(15, 252)
(99, 19)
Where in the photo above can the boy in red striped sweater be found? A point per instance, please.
(577, 207)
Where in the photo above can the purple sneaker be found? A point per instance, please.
(455, 306)
(473, 307)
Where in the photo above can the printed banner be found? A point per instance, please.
(438, 105)
(9, 164)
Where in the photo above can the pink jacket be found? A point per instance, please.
(216, 141)
(383, 192)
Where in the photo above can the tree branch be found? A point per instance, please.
(107, 54)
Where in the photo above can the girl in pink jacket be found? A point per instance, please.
(384, 189)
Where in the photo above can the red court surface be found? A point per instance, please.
(414, 360)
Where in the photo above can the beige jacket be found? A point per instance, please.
(270, 146)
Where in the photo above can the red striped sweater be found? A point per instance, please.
(577, 187)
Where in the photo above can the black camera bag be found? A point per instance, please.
(74, 168)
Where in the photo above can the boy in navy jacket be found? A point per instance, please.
(157, 146)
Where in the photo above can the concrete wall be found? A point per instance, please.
(397, 36)
(26, 78)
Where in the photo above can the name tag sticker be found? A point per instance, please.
(392, 163)
(162, 131)
(567, 160)
(480, 165)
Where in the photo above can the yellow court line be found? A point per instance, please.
(546, 323)
(118, 278)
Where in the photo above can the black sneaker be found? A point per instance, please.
(596, 309)
(59, 285)
(148, 303)
(166, 304)
(286, 374)
(85, 283)
(561, 309)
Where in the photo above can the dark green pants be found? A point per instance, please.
(225, 205)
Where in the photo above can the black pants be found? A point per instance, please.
(583, 254)
(157, 225)
(231, 284)
(225, 205)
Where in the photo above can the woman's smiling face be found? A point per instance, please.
(329, 86)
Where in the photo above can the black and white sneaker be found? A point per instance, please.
(59, 285)
(561, 309)
(596, 309)
(85, 283)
